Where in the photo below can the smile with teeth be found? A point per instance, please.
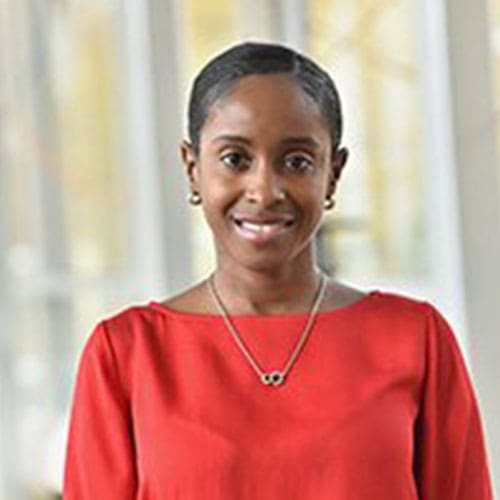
(261, 232)
(260, 227)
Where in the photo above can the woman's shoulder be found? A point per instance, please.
(126, 323)
(192, 300)
(380, 307)
(379, 299)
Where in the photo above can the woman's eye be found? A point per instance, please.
(298, 162)
(234, 159)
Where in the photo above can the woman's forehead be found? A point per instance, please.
(271, 104)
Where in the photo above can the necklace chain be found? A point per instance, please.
(275, 377)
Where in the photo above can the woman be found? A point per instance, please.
(269, 379)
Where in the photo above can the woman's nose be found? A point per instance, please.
(264, 186)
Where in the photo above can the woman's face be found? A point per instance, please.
(264, 168)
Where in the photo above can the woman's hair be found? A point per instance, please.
(227, 68)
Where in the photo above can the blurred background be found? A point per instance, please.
(93, 210)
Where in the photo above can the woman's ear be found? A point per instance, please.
(190, 163)
(338, 161)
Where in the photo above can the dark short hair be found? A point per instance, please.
(251, 58)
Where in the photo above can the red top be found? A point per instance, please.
(378, 406)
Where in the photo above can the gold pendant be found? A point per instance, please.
(273, 378)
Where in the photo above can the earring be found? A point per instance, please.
(329, 202)
(194, 198)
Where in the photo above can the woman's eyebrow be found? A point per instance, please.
(306, 140)
(231, 137)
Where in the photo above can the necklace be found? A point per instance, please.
(276, 377)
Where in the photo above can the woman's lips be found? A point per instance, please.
(262, 231)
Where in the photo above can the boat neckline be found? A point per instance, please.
(157, 306)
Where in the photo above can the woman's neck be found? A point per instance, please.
(245, 291)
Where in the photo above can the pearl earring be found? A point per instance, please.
(329, 203)
(194, 198)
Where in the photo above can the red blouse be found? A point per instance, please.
(378, 406)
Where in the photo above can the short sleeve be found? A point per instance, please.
(99, 461)
(450, 461)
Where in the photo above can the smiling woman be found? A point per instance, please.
(265, 155)
(214, 393)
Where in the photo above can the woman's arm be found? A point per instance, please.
(450, 456)
(100, 459)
